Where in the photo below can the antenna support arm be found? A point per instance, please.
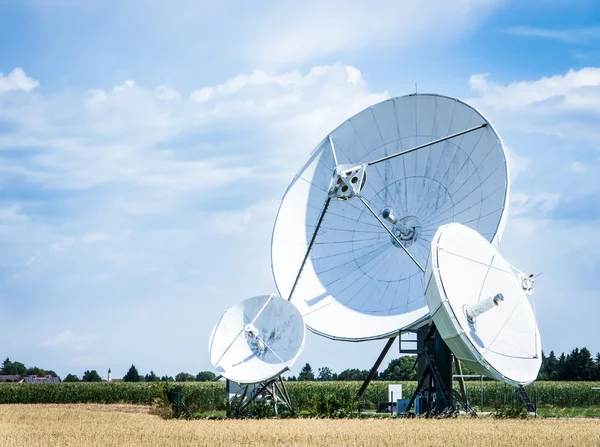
(431, 143)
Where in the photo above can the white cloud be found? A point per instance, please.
(257, 78)
(166, 93)
(202, 94)
(63, 243)
(11, 215)
(184, 191)
(541, 203)
(124, 134)
(33, 259)
(182, 39)
(67, 339)
(568, 88)
(17, 80)
(94, 238)
(517, 164)
(564, 106)
(578, 167)
(244, 222)
(569, 35)
(297, 109)
(295, 32)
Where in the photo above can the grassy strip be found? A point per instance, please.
(575, 412)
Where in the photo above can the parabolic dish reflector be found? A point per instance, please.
(354, 228)
(257, 339)
(465, 271)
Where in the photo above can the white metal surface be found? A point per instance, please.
(351, 280)
(257, 339)
(465, 269)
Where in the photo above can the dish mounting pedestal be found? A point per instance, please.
(240, 396)
(434, 391)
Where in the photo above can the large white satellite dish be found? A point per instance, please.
(257, 340)
(480, 306)
(353, 232)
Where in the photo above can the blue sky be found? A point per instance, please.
(144, 149)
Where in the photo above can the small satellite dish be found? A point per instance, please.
(479, 304)
(353, 232)
(257, 339)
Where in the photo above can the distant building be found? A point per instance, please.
(11, 378)
(110, 378)
(41, 379)
(29, 379)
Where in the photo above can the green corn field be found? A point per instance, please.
(211, 395)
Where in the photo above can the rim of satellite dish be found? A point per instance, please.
(479, 304)
(382, 153)
(257, 339)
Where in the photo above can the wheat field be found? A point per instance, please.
(133, 426)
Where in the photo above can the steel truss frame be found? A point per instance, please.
(273, 389)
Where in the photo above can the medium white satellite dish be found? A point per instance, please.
(257, 340)
(353, 232)
(479, 304)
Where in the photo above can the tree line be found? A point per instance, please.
(18, 368)
(578, 365)
(133, 375)
(575, 366)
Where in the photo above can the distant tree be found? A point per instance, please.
(205, 376)
(353, 374)
(132, 375)
(185, 377)
(51, 373)
(18, 368)
(571, 367)
(562, 368)
(12, 368)
(579, 365)
(91, 376)
(549, 369)
(400, 369)
(35, 371)
(325, 374)
(588, 366)
(71, 378)
(306, 373)
(151, 377)
(291, 379)
(167, 379)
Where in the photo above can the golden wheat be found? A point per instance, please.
(132, 426)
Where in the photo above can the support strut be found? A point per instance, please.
(391, 234)
(431, 143)
(375, 367)
(310, 244)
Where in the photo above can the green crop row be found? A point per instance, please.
(488, 393)
(104, 393)
(302, 394)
